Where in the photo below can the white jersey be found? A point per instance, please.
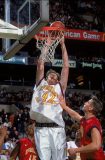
(45, 107)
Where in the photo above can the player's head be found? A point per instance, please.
(93, 105)
(30, 130)
(52, 77)
(97, 105)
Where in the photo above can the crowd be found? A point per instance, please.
(87, 14)
(13, 97)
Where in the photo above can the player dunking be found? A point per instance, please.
(50, 132)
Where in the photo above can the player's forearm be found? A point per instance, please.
(40, 64)
(73, 114)
(88, 148)
(40, 70)
(65, 67)
(64, 55)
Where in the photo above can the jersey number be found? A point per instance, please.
(50, 100)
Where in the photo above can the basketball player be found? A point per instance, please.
(90, 129)
(25, 147)
(50, 128)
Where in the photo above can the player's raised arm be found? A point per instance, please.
(65, 68)
(40, 70)
(41, 61)
(73, 114)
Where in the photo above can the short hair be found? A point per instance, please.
(29, 130)
(53, 71)
(97, 105)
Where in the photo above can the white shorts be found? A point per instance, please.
(51, 143)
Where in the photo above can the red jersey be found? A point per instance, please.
(27, 150)
(87, 125)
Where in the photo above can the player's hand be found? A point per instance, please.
(62, 41)
(72, 151)
(48, 41)
(62, 102)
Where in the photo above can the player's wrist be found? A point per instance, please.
(77, 150)
(63, 45)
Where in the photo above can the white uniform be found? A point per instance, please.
(45, 108)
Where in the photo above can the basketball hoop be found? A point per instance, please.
(48, 39)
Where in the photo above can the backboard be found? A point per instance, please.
(23, 20)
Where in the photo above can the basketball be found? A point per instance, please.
(58, 24)
(58, 32)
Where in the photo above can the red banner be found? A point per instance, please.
(84, 35)
(77, 34)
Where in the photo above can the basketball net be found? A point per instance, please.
(47, 41)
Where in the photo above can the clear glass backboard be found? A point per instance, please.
(24, 18)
